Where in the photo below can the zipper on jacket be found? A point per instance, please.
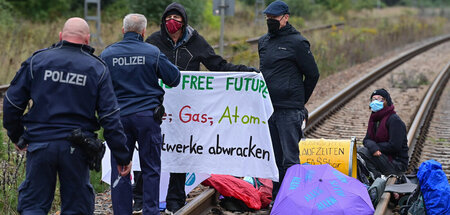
(176, 57)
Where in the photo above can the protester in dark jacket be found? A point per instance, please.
(385, 148)
(291, 75)
(185, 48)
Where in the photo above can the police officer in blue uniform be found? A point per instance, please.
(135, 68)
(68, 86)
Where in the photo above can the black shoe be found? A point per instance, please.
(137, 208)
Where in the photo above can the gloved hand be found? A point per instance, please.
(21, 145)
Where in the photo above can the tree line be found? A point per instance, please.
(38, 10)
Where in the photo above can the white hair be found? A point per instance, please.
(134, 22)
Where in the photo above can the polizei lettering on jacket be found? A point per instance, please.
(65, 77)
(130, 60)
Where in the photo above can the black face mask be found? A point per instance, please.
(273, 25)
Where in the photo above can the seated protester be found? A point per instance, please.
(385, 148)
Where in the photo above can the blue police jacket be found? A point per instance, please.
(68, 86)
(135, 68)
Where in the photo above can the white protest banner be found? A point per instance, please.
(217, 123)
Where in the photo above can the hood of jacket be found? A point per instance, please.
(178, 7)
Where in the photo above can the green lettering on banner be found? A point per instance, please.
(255, 85)
(226, 114)
(236, 116)
(228, 83)
(209, 82)
(193, 81)
(247, 84)
(200, 82)
(265, 92)
(236, 87)
(261, 85)
(245, 119)
(185, 81)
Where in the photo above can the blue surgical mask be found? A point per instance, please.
(376, 105)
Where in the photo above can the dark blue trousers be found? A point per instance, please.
(140, 127)
(285, 127)
(45, 160)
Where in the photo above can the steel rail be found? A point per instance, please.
(425, 109)
(353, 89)
(199, 204)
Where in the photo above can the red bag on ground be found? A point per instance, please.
(265, 191)
(230, 186)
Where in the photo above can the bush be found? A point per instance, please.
(208, 17)
(303, 8)
(49, 9)
(6, 18)
(115, 10)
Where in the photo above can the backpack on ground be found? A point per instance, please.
(414, 205)
(376, 190)
(363, 174)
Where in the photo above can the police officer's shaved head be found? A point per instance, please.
(134, 22)
(75, 30)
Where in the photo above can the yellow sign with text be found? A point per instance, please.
(340, 154)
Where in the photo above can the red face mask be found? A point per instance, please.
(173, 25)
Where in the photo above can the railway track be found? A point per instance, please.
(346, 115)
(433, 140)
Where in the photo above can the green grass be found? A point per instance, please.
(13, 173)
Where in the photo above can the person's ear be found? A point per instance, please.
(123, 30)
(60, 36)
(143, 33)
(87, 39)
